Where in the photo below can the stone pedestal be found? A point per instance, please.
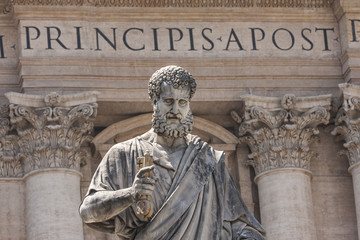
(52, 132)
(348, 122)
(279, 132)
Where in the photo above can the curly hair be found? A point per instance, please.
(172, 75)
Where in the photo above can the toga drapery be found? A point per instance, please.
(195, 197)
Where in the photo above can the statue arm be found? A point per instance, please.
(104, 205)
(100, 206)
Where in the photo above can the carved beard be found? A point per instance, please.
(163, 128)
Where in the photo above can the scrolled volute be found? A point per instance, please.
(52, 130)
(347, 122)
(279, 131)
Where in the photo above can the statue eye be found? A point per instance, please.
(168, 101)
(182, 102)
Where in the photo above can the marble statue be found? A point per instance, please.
(167, 183)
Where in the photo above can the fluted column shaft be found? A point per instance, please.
(348, 127)
(51, 134)
(279, 132)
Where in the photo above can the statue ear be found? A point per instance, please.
(154, 102)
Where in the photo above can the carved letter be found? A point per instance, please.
(156, 47)
(253, 38)
(306, 39)
(78, 39)
(353, 31)
(171, 38)
(2, 54)
(125, 40)
(291, 36)
(207, 39)
(191, 36)
(49, 39)
(325, 36)
(112, 44)
(27, 32)
(235, 40)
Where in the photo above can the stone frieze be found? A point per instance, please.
(175, 3)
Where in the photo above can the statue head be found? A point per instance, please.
(171, 89)
(172, 75)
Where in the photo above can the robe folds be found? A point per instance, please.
(195, 197)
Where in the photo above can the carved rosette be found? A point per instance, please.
(348, 122)
(279, 131)
(52, 131)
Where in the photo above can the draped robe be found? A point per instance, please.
(195, 197)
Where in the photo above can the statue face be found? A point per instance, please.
(172, 115)
(173, 103)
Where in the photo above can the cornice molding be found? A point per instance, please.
(175, 3)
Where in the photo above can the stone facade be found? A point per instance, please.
(277, 91)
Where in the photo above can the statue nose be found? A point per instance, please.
(175, 108)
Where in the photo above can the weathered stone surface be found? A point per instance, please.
(279, 131)
(56, 192)
(167, 168)
(12, 210)
(42, 147)
(348, 121)
(306, 69)
(50, 131)
(348, 127)
(174, 3)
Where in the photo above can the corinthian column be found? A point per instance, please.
(51, 131)
(279, 132)
(348, 121)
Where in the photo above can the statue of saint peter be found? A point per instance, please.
(188, 187)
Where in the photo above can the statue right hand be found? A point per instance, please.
(143, 186)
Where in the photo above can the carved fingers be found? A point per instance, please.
(143, 185)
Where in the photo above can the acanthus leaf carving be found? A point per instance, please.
(49, 136)
(347, 122)
(11, 159)
(280, 136)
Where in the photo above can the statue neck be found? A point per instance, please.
(170, 142)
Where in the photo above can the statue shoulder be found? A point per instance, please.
(196, 140)
(122, 147)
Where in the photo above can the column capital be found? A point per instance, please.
(280, 130)
(347, 121)
(11, 158)
(52, 129)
